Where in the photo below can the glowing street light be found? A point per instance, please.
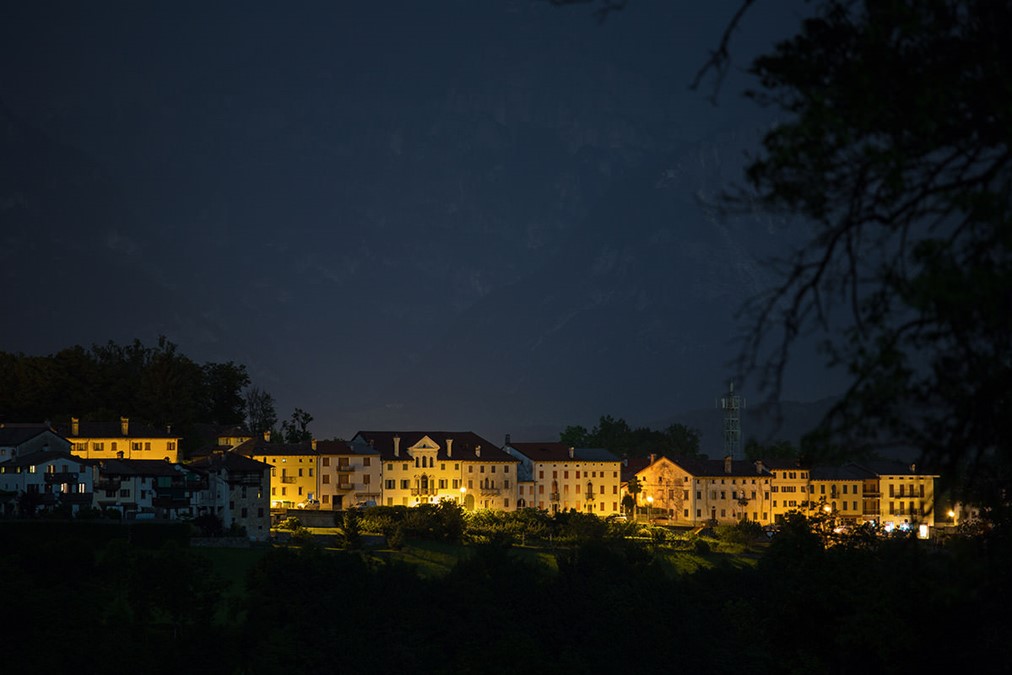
(463, 493)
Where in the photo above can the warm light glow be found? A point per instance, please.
(650, 499)
(952, 514)
(827, 508)
(922, 532)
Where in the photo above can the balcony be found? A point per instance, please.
(288, 479)
(553, 497)
(489, 491)
(422, 491)
(344, 468)
(344, 486)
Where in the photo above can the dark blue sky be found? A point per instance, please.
(490, 216)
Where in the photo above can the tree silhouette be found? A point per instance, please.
(896, 146)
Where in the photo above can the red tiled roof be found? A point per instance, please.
(464, 447)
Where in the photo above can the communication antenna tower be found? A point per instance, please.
(732, 405)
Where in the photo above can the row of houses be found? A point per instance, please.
(241, 479)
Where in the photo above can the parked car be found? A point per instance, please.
(309, 505)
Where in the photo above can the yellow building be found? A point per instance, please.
(723, 491)
(350, 475)
(559, 478)
(294, 472)
(125, 440)
(424, 467)
(663, 487)
(896, 495)
(839, 492)
(791, 489)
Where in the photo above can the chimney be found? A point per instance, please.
(75, 426)
(727, 464)
(759, 466)
(267, 435)
(572, 452)
(507, 439)
(449, 447)
(168, 429)
(652, 457)
(477, 451)
(124, 425)
(913, 468)
(625, 460)
(397, 446)
(312, 443)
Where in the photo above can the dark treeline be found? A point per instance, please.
(157, 385)
(611, 606)
(617, 436)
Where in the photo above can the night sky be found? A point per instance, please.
(494, 216)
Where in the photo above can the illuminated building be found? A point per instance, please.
(723, 490)
(557, 477)
(120, 440)
(791, 489)
(294, 476)
(350, 475)
(424, 467)
(662, 485)
(896, 495)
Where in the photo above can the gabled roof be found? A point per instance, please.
(138, 467)
(102, 429)
(13, 435)
(717, 468)
(561, 452)
(345, 448)
(260, 447)
(633, 465)
(464, 448)
(849, 472)
(36, 458)
(228, 461)
(890, 467)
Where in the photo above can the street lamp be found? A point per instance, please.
(463, 492)
(650, 502)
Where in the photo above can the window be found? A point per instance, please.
(310, 472)
(470, 468)
(390, 467)
(366, 479)
(300, 473)
(565, 474)
(326, 461)
(493, 468)
(326, 478)
(405, 484)
(541, 473)
(506, 469)
(541, 489)
(274, 491)
(243, 512)
(284, 491)
(481, 469)
(300, 491)
(367, 461)
(147, 446)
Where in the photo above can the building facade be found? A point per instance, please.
(425, 467)
(556, 477)
(122, 440)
